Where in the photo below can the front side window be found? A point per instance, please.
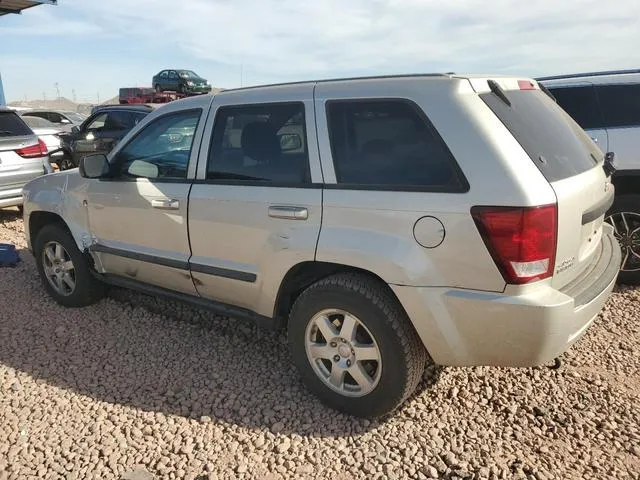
(97, 123)
(164, 74)
(260, 143)
(162, 149)
(388, 143)
(581, 103)
(620, 104)
(173, 75)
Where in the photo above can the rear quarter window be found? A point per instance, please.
(552, 139)
(11, 125)
(389, 145)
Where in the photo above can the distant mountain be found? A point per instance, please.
(65, 104)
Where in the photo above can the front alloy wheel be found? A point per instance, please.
(59, 269)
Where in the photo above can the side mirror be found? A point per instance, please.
(75, 130)
(94, 166)
(290, 141)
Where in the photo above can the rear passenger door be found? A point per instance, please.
(256, 208)
(581, 103)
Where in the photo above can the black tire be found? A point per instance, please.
(66, 163)
(630, 206)
(88, 289)
(402, 354)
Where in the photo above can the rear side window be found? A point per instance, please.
(581, 103)
(11, 125)
(620, 104)
(554, 141)
(389, 144)
(260, 143)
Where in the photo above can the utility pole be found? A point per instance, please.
(98, 98)
(241, 74)
(57, 85)
(44, 96)
(73, 94)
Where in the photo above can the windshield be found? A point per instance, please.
(188, 74)
(75, 117)
(554, 141)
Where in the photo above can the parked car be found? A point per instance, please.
(182, 81)
(65, 120)
(100, 132)
(49, 133)
(607, 106)
(135, 95)
(376, 219)
(23, 157)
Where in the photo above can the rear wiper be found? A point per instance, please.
(608, 167)
(495, 88)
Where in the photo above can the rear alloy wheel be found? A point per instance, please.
(354, 346)
(343, 353)
(625, 219)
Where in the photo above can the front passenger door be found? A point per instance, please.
(139, 217)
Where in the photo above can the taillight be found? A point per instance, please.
(37, 150)
(521, 240)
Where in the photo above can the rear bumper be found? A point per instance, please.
(464, 328)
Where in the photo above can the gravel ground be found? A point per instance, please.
(138, 388)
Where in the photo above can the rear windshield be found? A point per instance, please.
(11, 125)
(553, 140)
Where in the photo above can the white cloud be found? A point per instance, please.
(292, 37)
(102, 45)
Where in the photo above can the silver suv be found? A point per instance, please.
(607, 106)
(23, 157)
(377, 219)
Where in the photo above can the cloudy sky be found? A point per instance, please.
(93, 47)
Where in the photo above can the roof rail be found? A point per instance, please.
(588, 74)
(328, 80)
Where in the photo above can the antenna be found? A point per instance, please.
(241, 74)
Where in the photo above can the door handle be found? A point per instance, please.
(166, 204)
(594, 139)
(290, 213)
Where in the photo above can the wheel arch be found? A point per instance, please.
(302, 275)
